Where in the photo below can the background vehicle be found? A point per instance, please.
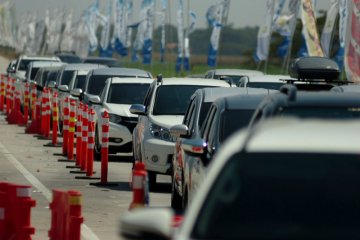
(95, 80)
(44, 75)
(116, 98)
(164, 105)
(190, 128)
(302, 184)
(232, 75)
(34, 67)
(110, 62)
(68, 57)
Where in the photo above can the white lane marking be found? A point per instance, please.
(86, 232)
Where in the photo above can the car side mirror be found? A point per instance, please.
(179, 130)
(63, 88)
(95, 100)
(138, 109)
(76, 92)
(52, 84)
(195, 147)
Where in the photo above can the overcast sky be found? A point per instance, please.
(242, 12)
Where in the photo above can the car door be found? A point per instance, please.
(197, 167)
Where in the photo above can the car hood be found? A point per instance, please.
(122, 110)
(166, 120)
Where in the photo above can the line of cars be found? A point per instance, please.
(290, 172)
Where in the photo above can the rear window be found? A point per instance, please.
(66, 77)
(127, 93)
(173, 99)
(69, 59)
(283, 196)
(322, 112)
(233, 120)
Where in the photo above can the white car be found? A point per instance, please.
(286, 179)
(164, 106)
(116, 98)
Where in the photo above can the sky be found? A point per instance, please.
(242, 12)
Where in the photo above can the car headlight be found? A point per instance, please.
(161, 133)
(115, 118)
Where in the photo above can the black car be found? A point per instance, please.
(68, 57)
(110, 62)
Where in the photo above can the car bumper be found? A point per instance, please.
(158, 155)
(120, 138)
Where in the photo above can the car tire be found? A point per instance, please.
(97, 148)
(176, 200)
(152, 180)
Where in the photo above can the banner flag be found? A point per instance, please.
(343, 24)
(327, 33)
(164, 6)
(105, 49)
(81, 39)
(352, 59)
(180, 35)
(189, 30)
(309, 30)
(264, 34)
(67, 36)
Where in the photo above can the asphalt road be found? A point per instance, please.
(24, 160)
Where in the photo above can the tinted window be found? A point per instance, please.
(266, 85)
(323, 112)
(70, 59)
(96, 84)
(24, 64)
(283, 196)
(66, 77)
(80, 81)
(128, 93)
(232, 120)
(204, 109)
(33, 73)
(173, 99)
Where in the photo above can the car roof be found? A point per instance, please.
(82, 66)
(121, 72)
(331, 99)
(194, 81)
(50, 68)
(116, 80)
(246, 101)
(211, 94)
(236, 72)
(269, 78)
(299, 135)
(39, 57)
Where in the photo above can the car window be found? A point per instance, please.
(189, 112)
(209, 119)
(233, 120)
(66, 77)
(266, 85)
(173, 99)
(96, 84)
(127, 93)
(283, 196)
(33, 72)
(80, 81)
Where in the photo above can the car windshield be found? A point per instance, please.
(173, 99)
(266, 85)
(25, 62)
(66, 77)
(80, 81)
(322, 112)
(232, 120)
(127, 93)
(280, 196)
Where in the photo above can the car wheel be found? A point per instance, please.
(152, 180)
(97, 148)
(176, 200)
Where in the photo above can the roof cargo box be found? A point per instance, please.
(314, 68)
